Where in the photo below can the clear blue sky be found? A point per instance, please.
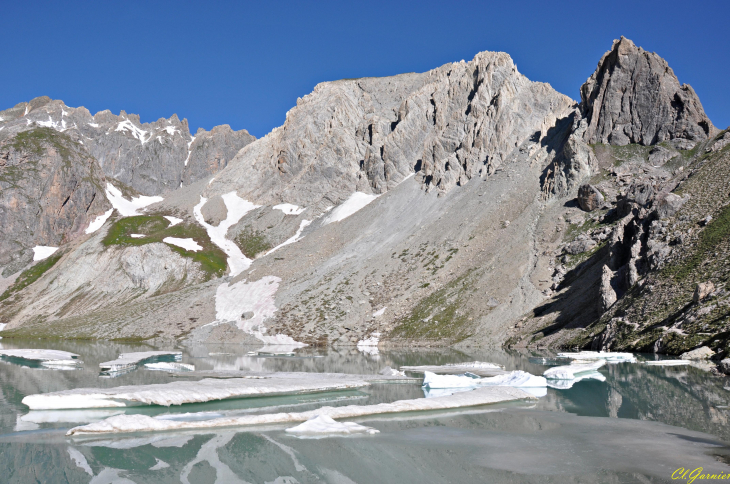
(245, 64)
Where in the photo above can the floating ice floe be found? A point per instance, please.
(600, 355)
(143, 423)
(289, 209)
(128, 208)
(567, 384)
(98, 222)
(388, 371)
(48, 358)
(131, 360)
(569, 372)
(480, 368)
(668, 362)
(169, 366)
(322, 425)
(518, 379)
(355, 202)
(300, 376)
(180, 392)
(187, 244)
(160, 464)
(236, 208)
(41, 252)
(173, 220)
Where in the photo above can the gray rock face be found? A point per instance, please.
(668, 204)
(660, 155)
(634, 97)
(720, 143)
(589, 198)
(50, 190)
(152, 158)
(701, 353)
(608, 294)
(580, 246)
(450, 124)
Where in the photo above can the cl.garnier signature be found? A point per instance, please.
(690, 475)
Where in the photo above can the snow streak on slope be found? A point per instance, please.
(289, 209)
(138, 133)
(302, 225)
(189, 150)
(98, 222)
(356, 201)
(187, 244)
(128, 208)
(41, 252)
(237, 207)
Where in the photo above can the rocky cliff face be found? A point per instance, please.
(50, 191)
(152, 158)
(634, 97)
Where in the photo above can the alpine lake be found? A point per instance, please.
(641, 424)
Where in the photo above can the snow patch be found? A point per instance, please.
(324, 425)
(189, 153)
(170, 130)
(93, 125)
(357, 201)
(173, 220)
(128, 208)
(140, 423)
(98, 222)
(137, 236)
(187, 244)
(289, 209)
(237, 208)
(294, 238)
(41, 252)
(138, 133)
(161, 464)
(379, 312)
(80, 461)
(232, 300)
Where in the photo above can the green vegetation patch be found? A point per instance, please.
(36, 140)
(29, 276)
(155, 228)
(252, 242)
(716, 232)
(440, 315)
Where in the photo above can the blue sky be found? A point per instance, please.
(245, 64)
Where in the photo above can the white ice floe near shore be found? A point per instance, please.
(518, 379)
(569, 372)
(356, 202)
(480, 368)
(126, 361)
(600, 355)
(98, 222)
(143, 423)
(289, 209)
(668, 362)
(567, 384)
(187, 244)
(49, 358)
(257, 297)
(41, 252)
(180, 392)
(323, 425)
(369, 345)
(173, 220)
(128, 208)
(169, 366)
(236, 208)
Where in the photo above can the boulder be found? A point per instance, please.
(608, 295)
(668, 204)
(660, 155)
(702, 290)
(724, 366)
(589, 198)
(580, 246)
(701, 353)
(720, 143)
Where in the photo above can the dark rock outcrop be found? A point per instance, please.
(50, 190)
(589, 198)
(634, 97)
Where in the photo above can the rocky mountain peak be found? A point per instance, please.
(635, 97)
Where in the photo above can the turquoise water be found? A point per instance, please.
(640, 425)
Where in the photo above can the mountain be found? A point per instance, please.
(466, 205)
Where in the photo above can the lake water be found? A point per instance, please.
(640, 425)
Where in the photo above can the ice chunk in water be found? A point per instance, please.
(569, 372)
(324, 425)
(567, 384)
(600, 355)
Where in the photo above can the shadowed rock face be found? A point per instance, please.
(153, 158)
(50, 190)
(634, 97)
